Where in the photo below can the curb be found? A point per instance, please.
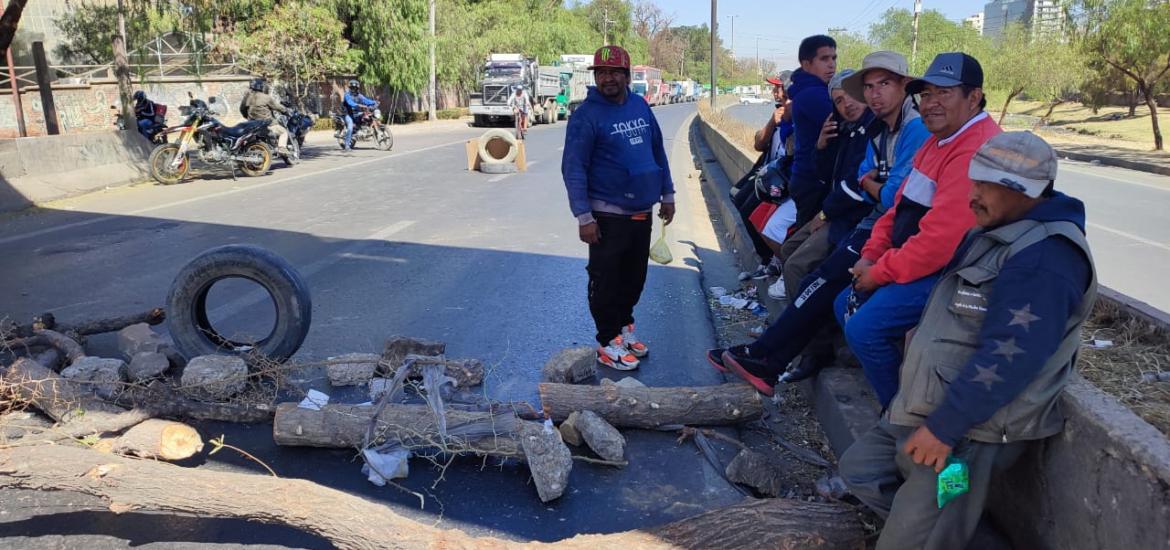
(1139, 166)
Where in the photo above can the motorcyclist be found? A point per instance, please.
(521, 103)
(258, 105)
(144, 113)
(356, 106)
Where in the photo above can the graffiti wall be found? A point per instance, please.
(93, 107)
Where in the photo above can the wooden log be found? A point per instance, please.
(465, 372)
(163, 401)
(654, 407)
(64, 400)
(152, 317)
(351, 522)
(50, 358)
(159, 439)
(70, 348)
(345, 426)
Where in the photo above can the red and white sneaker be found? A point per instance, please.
(616, 355)
(635, 346)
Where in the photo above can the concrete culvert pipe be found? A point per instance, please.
(498, 146)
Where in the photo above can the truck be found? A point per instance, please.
(647, 82)
(502, 72)
(575, 81)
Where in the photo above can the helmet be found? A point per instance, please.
(611, 56)
(257, 84)
(517, 87)
(199, 104)
(139, 95)
(353, 84)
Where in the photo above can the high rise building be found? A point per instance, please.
(1041, 17)
(975, 22)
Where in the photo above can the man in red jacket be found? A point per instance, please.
(915, 239)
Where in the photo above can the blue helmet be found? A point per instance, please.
(139, 95)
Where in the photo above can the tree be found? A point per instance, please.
(90, 26)
(1130, 36)
(851, 50)
(9, 22)
(1048, 68)
(298, 43)
(936, 34)
(390, 40)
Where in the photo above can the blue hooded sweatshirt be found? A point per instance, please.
(811, 105)
(1048, 279)
(614, 154)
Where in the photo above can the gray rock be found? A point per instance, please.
(630, 382)
(398, 347)
(358, 368)
(136, 339)
(571, 366)
(569, 430)
(146, 365)
(104, 376)
(758, 471)
(378, 386)
(548, 459)
(215, 376)
(603, 438)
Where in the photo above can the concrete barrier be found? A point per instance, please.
(45, 168)
(1104, 482)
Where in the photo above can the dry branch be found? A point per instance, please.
(66, 345)
(65, 401)
(161, 400)
(350, 522)
(654, 407)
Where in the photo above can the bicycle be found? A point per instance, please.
(521, 121)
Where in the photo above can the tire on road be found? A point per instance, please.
(187, 315)
(501, 168)
(485, 155)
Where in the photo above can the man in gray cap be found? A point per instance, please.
(995, 347)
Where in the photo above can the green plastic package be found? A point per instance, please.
(952, 481)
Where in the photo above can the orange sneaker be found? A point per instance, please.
(616, 355)
(635, 346)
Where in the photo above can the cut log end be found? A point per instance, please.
(160, 439)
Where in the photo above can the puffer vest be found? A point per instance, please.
(947, 336)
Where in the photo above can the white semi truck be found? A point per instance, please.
(503, 71)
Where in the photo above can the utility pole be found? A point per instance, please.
(759, 71)
(732, 18)
(914, 43)
(432, 113)
(605, 26)
(122, 68)
(714, 53)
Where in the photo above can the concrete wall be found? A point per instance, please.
(1102, 483)
(40, 169)
(86, 107)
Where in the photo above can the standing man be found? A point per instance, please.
(615, 169)
(811, 105)
(912, 241)
(258, 105)
(995, 348)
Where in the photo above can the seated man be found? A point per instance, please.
(995, 347)
(771, 140)
(892, 139)
(912, 241)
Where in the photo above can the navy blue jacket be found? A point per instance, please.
(811, 105)
(842, 205)
(614, 153)
(1051, 276)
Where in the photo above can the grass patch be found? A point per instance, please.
(741, 134)
(1110, 125)
(1139, 348)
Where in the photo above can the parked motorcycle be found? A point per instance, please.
(241, 146)
(157, 133)
(298, 125)
(365, 128)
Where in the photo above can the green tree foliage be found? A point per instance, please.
(936, 34)
(89, 30)
(297, 44)
(1130, 36)
(851, 49)
(1050, 70)
(390, 39)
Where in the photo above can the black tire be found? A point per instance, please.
(292, 153)
(260, 168)
(187, 316)
(498, 168)
(160, 160)
(384, 138)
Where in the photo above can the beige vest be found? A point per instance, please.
(947, 335)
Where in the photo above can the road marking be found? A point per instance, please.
(1095, 174)
(351, 251)
(1130, 236)
(74, 225)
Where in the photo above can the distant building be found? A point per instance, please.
(975, 22)
(1041, 17)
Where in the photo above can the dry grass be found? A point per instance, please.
(1138, 348)
(1074, 123)
(741, 134)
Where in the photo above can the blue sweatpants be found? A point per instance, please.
(877, 330)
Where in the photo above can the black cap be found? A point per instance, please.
(947, 70)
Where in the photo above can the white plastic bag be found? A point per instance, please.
(660, 250)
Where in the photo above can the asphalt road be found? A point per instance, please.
(1128, 225)
(406, 242)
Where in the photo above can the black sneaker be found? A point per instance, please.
(715, 357)
(754, 371)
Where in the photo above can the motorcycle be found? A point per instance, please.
(367, 126)
(241, 146)
(298, 125)
(156, 133)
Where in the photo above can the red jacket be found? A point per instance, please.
(931, 212)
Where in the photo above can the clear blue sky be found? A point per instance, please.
(780, 25)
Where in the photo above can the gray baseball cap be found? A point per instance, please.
(841, 75)
(948, 70)
(1020, 161)
(886, 60)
